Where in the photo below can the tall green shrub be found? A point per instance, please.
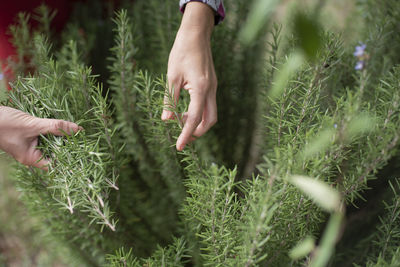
(299, 137)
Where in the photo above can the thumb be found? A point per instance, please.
(57, 127)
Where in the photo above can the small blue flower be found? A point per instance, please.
(335, 126)
(362, 56)
(360, 65)
(1, 76)
(360, 50)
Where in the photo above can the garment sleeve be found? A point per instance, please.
(216, 5)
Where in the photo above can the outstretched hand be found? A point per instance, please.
(19, 134)
(191, 67)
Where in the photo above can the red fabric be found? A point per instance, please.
(11, 8)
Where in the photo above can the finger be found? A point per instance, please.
(184, 117)
(57, 127)
(174, 88)
(38, 162)
(209, 118)
(194, 116)
(35, 159)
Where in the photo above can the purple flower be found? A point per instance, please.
(361, 55)
(1, 76)
(360, 50)
(360, 65)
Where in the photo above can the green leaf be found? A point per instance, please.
(328, 241)
(283, 76)
(308, 32)
(303, 248)
(259, 14)
(321, 193)
(320, 143)
(361, 124)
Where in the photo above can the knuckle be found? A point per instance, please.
(173, 78)
(57, 125)
(193, 120)
(203, 83)
(70, 128)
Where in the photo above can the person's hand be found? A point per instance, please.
(191, 67)
(19, 133)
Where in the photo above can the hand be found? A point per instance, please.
(19, 133)
(191, 67)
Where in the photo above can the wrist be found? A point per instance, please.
(198, 20)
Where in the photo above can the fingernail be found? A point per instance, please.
(180, 147)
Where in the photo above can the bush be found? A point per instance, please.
(300, 136)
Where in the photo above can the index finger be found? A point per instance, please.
(194, 117)
(57, 127)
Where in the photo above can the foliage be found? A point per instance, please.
(301, 135)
